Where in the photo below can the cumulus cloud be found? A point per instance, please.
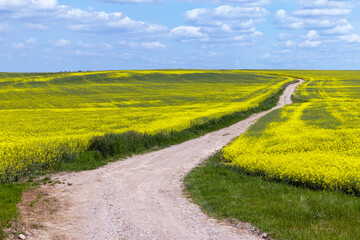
(322, 12)
(61, 43)
(324, 21)
(289, 43)
(187, 33)
(310, 44)
(311, 35)
(28, 42)
(324, 4)
(226, 17)
(34, 4)
(351, 38)
(342, 27)
(145, 45)
(223, 23)
(31, 41)
(286, 21)
(225, 12)
(93, 21)
(153, 45)
(283, 20)
(34, 11)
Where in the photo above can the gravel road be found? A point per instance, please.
(142, 196)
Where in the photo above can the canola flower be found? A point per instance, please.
(314, 143)
(45, 117)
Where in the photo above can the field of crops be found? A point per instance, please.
(314, 142)
(44, 117)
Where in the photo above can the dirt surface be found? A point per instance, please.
(138, 198)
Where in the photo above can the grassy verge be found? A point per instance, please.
(10, 195)
(284, 211)
(111, 147)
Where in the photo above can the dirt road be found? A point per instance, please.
(141, 197)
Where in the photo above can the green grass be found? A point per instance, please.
(10, 195)
(284, 211)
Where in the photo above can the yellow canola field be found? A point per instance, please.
(313, 143)
(46, 117)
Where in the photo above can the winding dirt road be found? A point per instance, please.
(141, 197)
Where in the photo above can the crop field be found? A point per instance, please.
(45, 117)
(314, 142)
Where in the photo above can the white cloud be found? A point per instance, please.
(153, 45)
(342, 27)
(223, 23)
(74, 18)
(283, 20)
(324, 4)
(311, 35)
(92, 21)
(289, 43)
(145, 45)
(61, 43)
(322, 12)
(351, 38)
(187, 33)
(28, 42)
(225, 12)
(31, 41)
(33, 4)
(257, 34)
(310, 44)
(226, 17)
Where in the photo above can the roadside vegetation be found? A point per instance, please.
(10, 195)
(283, 211)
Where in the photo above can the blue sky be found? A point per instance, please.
(68, 35)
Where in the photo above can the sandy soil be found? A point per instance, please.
(138, 198)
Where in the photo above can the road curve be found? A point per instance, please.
(141, 197)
